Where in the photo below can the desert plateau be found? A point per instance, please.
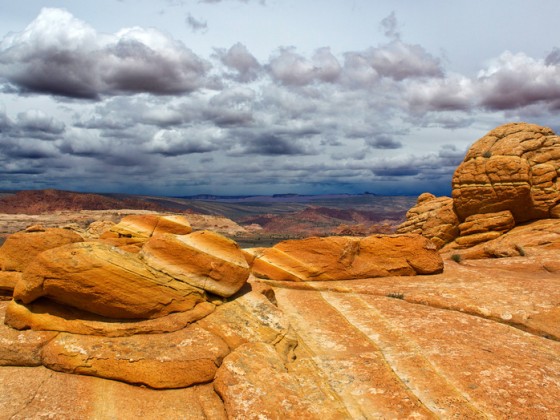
(117, 307)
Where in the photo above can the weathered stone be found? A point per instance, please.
(476, 238)
(147, 225)
(487, 222)
(433, 218)
(22, 247)
(203, 259)
(38, 393)
(252, 318)
(513, 167)
(8, 280)
(391, 359)
(21, 348)
(337, 258)
(106, 281)
(540, 236)
(45, 315)
(173, 360)
(254, 383)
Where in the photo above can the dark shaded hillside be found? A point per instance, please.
(43, 201)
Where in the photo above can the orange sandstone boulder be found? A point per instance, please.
(104, 280)
(513, 167)
(174, 360)
(147, 225)
(46, 315)
(203, 259)
(22, 247)
(132, 232)
(432, 217)
(346, 258)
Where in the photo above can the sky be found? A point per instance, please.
(242, 97)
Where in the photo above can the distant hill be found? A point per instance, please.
(43, 201)
(279, 214)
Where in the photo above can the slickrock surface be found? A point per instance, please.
(449, 345)
(340, 258)
(148, 225)
(40, 393)
(45, 315)
(467, 343)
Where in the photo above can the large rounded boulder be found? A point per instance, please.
(514, 167)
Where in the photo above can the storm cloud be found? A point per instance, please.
(139, 110)
(60, 55)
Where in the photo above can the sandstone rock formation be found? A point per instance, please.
(132, 232)
(508, 177)
(21, 248)
(106, 281)
(432, 217)
(203, 259)
(513, 167)
(340, 258)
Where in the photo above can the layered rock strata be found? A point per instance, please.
(345, 258)
(514, 167)
(432, 217)
(508, 177)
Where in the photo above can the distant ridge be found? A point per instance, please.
(43, 201)
(274, 197)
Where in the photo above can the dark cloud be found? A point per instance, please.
(383, 141)
(391, 170)
(245, 66)
(31, 124)
(370, 119)
(196, 24)
(553, 58)
(390, 26)
(61, 55)
(272, 145)
(35, 123)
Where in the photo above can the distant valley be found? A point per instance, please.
(266, 219)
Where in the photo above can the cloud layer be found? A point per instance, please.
(140, 111)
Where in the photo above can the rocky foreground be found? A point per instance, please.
(151, 318)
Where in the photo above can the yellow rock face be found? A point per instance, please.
(203, 259)
(106, 281)
(146, 225)
(434, 218)
(22, 247)
(346, 258)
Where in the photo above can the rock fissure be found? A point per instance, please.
(32, 398)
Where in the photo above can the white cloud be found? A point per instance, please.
(61, 55)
